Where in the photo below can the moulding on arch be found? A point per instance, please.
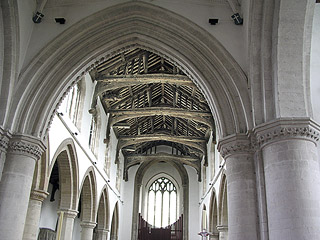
(4, 140)
(201, 54)
(285, 129)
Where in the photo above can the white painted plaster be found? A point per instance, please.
(49, 217)
(26, 8)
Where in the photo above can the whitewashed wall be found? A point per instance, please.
(231, 36)
(61, 129)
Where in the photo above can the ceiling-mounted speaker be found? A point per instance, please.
(213, 21)
(60, 20)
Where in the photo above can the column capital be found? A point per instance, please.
(69, 213)
(102, 230)
(287, 128)
(38, 195)
(4, 140)
(235, 144)
(87, 224)
(26, 145)
(222, 228)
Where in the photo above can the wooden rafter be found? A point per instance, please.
(198, 143)
(118, 81)
(199, 116)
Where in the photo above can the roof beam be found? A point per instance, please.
(198, 143)
(117, 81)
(160, 156)
(137, 159)
(198, 116)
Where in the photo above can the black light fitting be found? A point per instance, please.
(237, 19)
(37, 17)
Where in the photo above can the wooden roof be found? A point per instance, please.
(152, 103)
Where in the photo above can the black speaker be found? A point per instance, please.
(213, 21)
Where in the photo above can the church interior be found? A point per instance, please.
(159, 119)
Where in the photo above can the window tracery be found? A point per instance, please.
(162, 202)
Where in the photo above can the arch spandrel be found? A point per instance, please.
(44, 82)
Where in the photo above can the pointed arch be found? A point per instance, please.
(124, 26)
(88, 197)
(9, 56)
(213, 214)
(115, 223)
(137, 189)
(103, 211)
(223, 202)
(67, 161)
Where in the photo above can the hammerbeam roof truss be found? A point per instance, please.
(152, 103)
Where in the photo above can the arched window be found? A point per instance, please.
(93, 134)
(162, 203)
(73, 103)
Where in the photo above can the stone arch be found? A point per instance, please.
(137, 189)
(66, 158)
(9, 56)
(40, 176)
(115, 223)
(103, 211)
(223, 202)
(88, 196)
(123, 26)
(173, 180)
(213, 215)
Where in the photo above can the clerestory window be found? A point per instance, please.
(73, 102)
(93, 135)
(162, 203)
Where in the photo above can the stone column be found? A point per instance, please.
(31, 226)
(241, 187)
(87, 230)
(102, 234)
(223, 232)
(65, 225)
(214, 236)
(15, 186)
(292, 178)
(4, 141)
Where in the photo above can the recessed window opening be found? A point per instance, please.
(162, 203)
(73, 102)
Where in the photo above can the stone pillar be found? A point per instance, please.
(87, 230)
(65, 225)
(102, 234)
(292, 178)
(214, 236)
(241, 187)
(223, 232)
(4, 141)
(31, 226)
(15, 186)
